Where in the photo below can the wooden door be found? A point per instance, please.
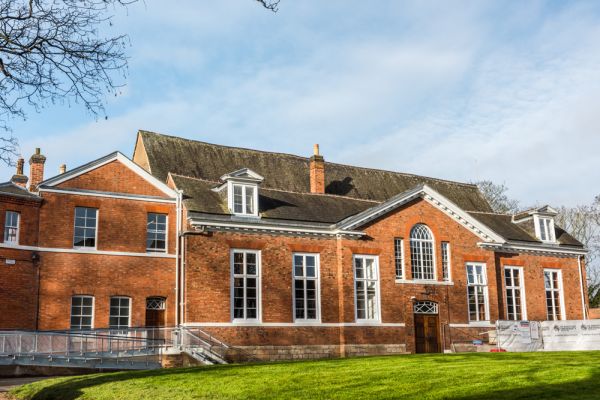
(155, 318)
(427, 333)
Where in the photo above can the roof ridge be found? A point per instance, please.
(193, 177)
(490, 213)
(285, 191)
(307, 159)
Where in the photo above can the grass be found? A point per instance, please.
(564, 375)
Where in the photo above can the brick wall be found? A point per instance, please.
(121, 223)
(18, 282)
(113, 177)
(208, 262)
(64, 275)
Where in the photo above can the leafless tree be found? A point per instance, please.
(272, 5)
(583, 222)
(53, 51)
(496, 195)
(59, 51)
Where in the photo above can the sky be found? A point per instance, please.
(507, 91)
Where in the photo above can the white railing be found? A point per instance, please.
(79, 345)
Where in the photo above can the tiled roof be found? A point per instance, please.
(291, 173)
(10, 189)
(273, 204)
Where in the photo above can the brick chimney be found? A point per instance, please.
(19, 178)
(36, 170)
(317, 172)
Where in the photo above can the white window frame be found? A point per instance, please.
(486, 295)
(446, 261)
(17, 228)
(244, 275)
(230, 189)
(561, 293)
(165, 250)
(119, 316)
(317, 280)
(375, 259)
(433, 254)
(95, 228)
(521, 287)
(82, 315)
(547, 230)
(399, 261)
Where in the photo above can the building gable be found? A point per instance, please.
(431, 196)
(113, 173)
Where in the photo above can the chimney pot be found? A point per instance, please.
(20, 163)
(316, 149)
(18, 178)
(62, 169)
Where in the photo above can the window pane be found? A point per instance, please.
(249, 200)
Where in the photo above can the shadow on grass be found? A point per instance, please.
(587, 387)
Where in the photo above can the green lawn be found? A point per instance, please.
(565, 375)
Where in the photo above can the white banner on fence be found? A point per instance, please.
(519, 335)
(571, 335)
(548, 335)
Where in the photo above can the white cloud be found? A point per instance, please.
(461, 91)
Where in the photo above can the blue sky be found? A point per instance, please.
(507, 91)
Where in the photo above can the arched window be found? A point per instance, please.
(421, 253)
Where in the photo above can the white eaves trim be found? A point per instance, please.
(84, 251)
(149, 199)
(116, 156)
(431, 196)
(536, 248)
(273, 228)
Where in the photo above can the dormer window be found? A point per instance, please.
(242, 192)
(545, 229)
(244, 202)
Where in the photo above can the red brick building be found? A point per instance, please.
(276, 253)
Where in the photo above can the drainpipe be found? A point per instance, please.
(177, 254)
(581, 287)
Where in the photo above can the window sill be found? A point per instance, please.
(12, 244)
(246, 321)
(482, 324)
(424, 282)
(367, 321)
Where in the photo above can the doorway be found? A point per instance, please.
(427, 327)
(155, 312)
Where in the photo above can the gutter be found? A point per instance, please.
(583, 309)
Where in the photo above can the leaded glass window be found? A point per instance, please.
(156, 233)
(421, 253)
(399, 257)
(306, 287)
(120, 311)
(477, 292)
(245, 284)
(86, 220)
(513, 282)
(554, 300)
(82, 312)
(11, 227)
(366, 280)
(445, 261)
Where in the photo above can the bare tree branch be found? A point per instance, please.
(496, 196)
(272, 5)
